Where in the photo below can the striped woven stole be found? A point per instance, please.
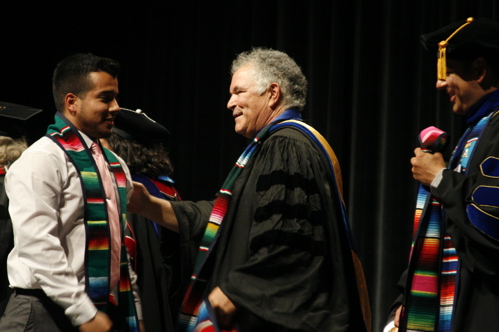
(433, 263)
(98, 256)
(193, 299)
(196, 312)
(420, 311)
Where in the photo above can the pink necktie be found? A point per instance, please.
(112, 211)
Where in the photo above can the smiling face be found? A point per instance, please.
(462, 85)
(251, 111)
(93, 112)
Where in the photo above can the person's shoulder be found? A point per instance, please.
(288, 141)
(291, 133)
(44, 143)
(40, 150)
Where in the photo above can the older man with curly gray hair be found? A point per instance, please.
(276, 253)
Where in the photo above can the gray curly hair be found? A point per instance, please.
(270, 66)
(11, 149)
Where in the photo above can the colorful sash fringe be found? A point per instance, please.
(196, 312)
(97, 267)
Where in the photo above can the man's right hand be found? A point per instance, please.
(100, 323)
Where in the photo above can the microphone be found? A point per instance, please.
(433, 140)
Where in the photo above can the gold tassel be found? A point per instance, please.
(442, 50)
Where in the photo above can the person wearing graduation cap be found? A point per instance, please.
(163, 267)
(13, 141)
(452, 282)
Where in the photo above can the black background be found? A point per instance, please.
(371, 89)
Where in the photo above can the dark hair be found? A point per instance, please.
(71, 75)
(149, 160)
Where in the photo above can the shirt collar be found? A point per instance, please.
(88, 141)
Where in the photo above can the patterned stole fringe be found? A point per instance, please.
(98, 254)
(433, 263)
(196, 314)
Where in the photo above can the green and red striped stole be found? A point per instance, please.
(98, 251)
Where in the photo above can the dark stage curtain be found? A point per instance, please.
(371, 89)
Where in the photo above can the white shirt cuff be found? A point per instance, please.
(389, 326)
(437, 179)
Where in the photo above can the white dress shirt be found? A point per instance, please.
(46, 205)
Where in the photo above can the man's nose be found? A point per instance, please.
(115, 107)
(231, 103)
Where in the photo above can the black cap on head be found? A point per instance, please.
(463, 40)
(137, 126)
(14, 119)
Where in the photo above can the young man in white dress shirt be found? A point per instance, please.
(65, 265)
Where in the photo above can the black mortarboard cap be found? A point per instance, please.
(14, 118)
(463, 40)
(136, 125)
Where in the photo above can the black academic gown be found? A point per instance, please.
(477, 302)
(282, 255)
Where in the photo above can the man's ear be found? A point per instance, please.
(71, 103)
(275, 94)
(480, 69)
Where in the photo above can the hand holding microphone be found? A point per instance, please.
(428, 160)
